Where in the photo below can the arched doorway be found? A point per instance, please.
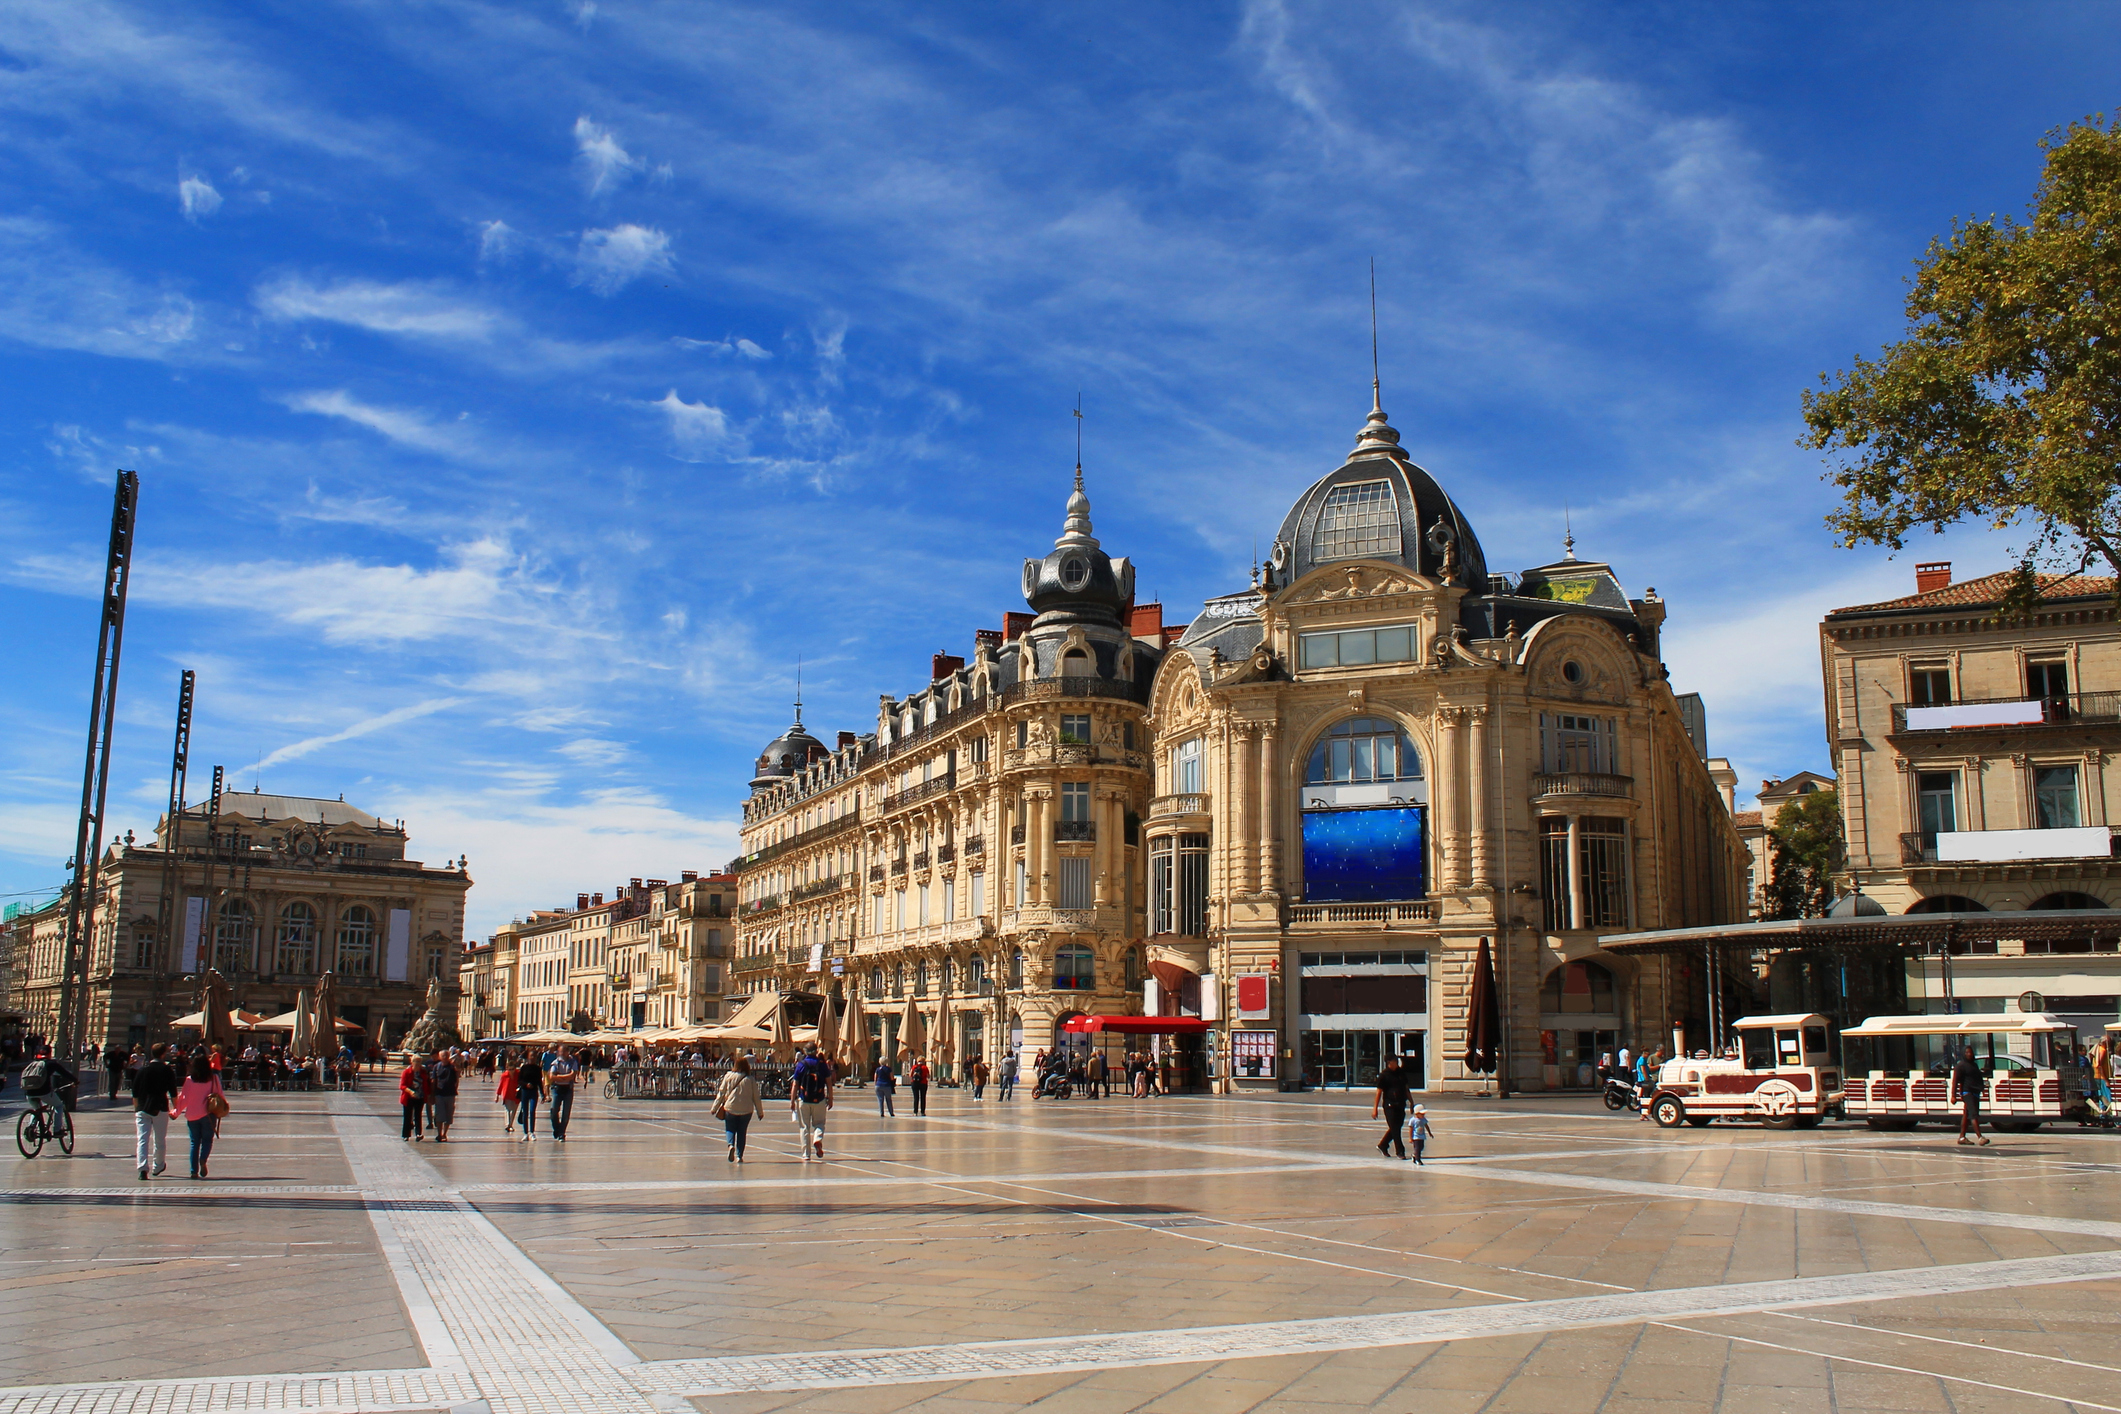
(1946, 903)
(2068, 898)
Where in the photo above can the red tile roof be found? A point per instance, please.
(1747, 819)
(1988, 589)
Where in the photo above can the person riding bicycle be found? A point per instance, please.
(47, 1080)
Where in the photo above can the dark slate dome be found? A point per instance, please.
(1077, 582)
(786, 754)
(1379, 506)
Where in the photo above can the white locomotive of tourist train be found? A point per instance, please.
(1783, 1076)
(1901, 1069)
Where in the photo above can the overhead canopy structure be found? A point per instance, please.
(1138, 1025)
(1907, 932)
(286, 1021)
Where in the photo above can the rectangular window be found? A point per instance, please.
(1075, 800)
(898, 908)
(1356, 647)
(1930, 687)
(1358, 519)
(1023, 894)
(1575, 743)
(2047, 680)
(2055, 797)
(1554, 872)
(1937, 793)
(1075, 729)
(1193, 885)
(949, 888)
(1604, 866)
(1023, 735)
(979, 895)
(1188, 767)
(1161, 919)
(1074, 881)
(979, 748)
(924, 905)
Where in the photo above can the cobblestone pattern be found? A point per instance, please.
(988, 1360)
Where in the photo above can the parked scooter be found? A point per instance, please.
(1620, 1093)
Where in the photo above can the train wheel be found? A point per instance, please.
(1779, 1121)
(1668, 1112)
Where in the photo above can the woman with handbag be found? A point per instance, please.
(202, 1102)
(736, 1104)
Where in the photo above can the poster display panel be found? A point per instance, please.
(1360, 856)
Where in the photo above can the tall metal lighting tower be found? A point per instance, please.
(95, 776)
(173, 918)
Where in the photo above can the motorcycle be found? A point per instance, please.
(1620, 1093)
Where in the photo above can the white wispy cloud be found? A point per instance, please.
(605, 164)
(198, 198)
(497, 242)
(743, 347)
(424, 308)
(54, 296)
(411, 429)
(698, 429)
(365, 727)
(608, 260)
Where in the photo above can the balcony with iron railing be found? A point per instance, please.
(1016, 834)
(813, 835)
(819, 888)
(1075, 829)
(975, 845)
(926, 790)
(2008, 713)
(1046, 689)
(1579, 783)
(945, 853)
(920, 862)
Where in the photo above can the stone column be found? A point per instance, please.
(1244, 784)
(1269, 812)
(1450, 850)
(1477, 788)
(1575, 871)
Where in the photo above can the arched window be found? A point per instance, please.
(1074, 969)
(920, 979)
(976, 976)
(876, 982)
(1947, 903)
(2066, 899)
(1016, 970)
(1363, 749)
(295, 946)
(357, 942)
(949, 975)
(898, 979)
(235, 931)
(1583, 987)
(1134, 968)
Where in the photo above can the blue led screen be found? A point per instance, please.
(1358, 856)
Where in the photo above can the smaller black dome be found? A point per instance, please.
(786, 754)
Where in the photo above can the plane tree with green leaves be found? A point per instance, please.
(2003, 402)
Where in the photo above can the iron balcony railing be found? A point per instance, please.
(1075, 829)
(926, 790)
(2073, 708)
(807, 837)
(818, 889)
(1044, 689)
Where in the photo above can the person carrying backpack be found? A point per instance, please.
(917, 1081)
(810, 1096)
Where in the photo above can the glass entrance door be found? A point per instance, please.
(1350, 1060)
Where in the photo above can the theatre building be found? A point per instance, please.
(1380, 755)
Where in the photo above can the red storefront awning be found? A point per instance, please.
(1139, 1025)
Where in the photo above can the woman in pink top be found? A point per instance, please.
(200, 1086)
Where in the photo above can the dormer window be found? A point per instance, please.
(1074, 572)
(1357, 521)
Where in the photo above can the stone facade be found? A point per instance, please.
(979, 851)
(273, 892)
(2018, 777)
(1378, 756)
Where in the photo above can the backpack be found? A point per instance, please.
(37, 1077)
(810, 1083)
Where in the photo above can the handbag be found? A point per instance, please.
(217, 1104)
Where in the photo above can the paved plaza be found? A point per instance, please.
(1186, 1254)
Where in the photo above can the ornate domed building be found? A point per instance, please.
(975, 858)
(1382, 757)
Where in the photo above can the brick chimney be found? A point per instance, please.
(596, 900)
(1013, 625)
(943, 665)
(1934, 575)
(987, 638)
(581, 901)
(1146, 621)
(848, 739)
(688, 876)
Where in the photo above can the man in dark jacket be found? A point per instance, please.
(153, 1088)
(114, 1070)
(1967, 1080)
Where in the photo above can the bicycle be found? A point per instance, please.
(41, 1123)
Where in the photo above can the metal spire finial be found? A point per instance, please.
(1078, 441)
(1568, 533)
(799, 689)
(1377, 401)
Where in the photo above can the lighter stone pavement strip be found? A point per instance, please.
(989, 1359)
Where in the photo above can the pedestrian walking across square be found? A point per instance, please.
(810, 1096)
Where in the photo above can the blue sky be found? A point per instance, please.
(518, 389)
